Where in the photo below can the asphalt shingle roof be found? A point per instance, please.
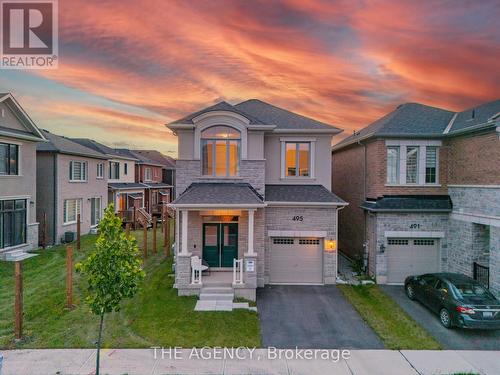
(57, 143)
(301, 193)
(262, 113)
(125, 185)
(141, 159)
(414, 119)
(409, 203)
(157, 156)
(219, 193)
(96, 146)
(475, 116)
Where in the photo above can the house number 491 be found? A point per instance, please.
(298, 218)
(414, 226)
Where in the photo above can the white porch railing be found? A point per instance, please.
(238, 271)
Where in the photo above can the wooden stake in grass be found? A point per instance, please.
(69, 277)
(78, 224)
(154, 236)
(127, 230)
(145, 242)
(166, 235)
(18, 303)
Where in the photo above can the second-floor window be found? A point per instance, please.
(114, 170)
(147, 174)
(100, 170)
(9, 159)
(412, 165)
(125, 168)
(297, 159)
(78, 171)
(220, 151)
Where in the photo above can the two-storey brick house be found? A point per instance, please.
(18, 196)
(253, 197)
(424, 192)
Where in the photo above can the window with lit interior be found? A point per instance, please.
(220, 151)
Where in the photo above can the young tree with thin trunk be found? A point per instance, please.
(113, 270)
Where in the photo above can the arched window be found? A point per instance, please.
(220, 151)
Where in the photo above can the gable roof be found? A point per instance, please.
(262, 113)
(99, 147)
(414, 120)
(32, 133)
(139, 159)
(166, 161)
(63, 145)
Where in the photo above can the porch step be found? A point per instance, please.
(207, 283)
(217, 290)
(216, 296)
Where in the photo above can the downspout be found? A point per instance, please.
(54, 216)
(365, 246)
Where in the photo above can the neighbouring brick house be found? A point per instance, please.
(424, 192)
(253, 199)
(18, 193)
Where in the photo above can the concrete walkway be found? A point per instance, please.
(260, 361)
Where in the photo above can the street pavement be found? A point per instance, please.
(263, 362)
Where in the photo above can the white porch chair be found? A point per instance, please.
(196, 269)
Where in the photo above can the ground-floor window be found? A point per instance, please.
(95, 210)
(72, 207)
(12, 222)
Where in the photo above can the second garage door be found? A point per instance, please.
(411, 256)
(296, 260)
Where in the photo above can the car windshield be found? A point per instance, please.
(469, 289)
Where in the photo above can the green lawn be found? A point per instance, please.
(156, 316)
(396, 329)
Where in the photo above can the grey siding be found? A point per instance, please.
(46, 194)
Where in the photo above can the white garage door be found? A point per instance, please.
(296, 260)
(411, 256)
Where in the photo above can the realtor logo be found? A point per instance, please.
(29, 38)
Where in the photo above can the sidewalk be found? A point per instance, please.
(143, 362)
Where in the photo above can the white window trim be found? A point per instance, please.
(85, 166)
(222, 118)
(100, 166)
(422, 152)
(145, 174)
(100, 211)
(226, 176)
(312, 157)
(79, 202)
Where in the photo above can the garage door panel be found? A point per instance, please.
(296, 261)
(407, 257)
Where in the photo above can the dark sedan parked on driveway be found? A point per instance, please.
(457, 299)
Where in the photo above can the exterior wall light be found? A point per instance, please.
(382, 248)
(330, 245)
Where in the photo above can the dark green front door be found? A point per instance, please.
(220, 244)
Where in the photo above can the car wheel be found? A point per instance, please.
(410, 292)
(445, 318)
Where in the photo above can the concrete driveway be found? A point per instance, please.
(456, 338)
(316, 317)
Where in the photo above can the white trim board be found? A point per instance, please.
(413, 234)
(476, 218)
(297, 233)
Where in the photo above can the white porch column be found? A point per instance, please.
(184, 217)
(250, 232)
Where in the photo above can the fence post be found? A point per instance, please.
(154, 236)
(18, 303)
(127, 230)
(133, 217)
(78, 224)
(69, 277)
(145, 243)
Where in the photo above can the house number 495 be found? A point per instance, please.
(298, 218)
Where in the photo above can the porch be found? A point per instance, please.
(225, 234)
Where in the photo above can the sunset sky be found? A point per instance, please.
(128, 67)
